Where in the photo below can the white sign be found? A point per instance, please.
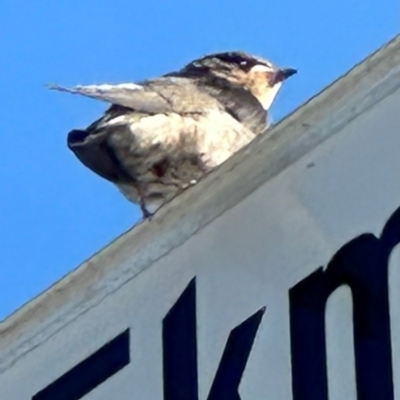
(277, 277)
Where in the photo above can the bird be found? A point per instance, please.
(162, 135)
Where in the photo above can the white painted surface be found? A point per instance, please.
(263, 222)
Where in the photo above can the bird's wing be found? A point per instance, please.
(131, 95)
(241, 104)
(231, 97)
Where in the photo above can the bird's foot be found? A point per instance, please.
(146, 213)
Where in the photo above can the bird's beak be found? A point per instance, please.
(283, 73)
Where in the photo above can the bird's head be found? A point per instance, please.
(259, 76)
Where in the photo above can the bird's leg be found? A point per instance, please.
(197, 161)
(146, 213)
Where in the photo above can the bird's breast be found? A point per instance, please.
(166, 153)
(212, 137)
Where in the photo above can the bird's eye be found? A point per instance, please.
(243, 63)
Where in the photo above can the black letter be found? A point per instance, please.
(91, 372)
(180, 348)
(234, 359)
(362, 264)
(180, 352)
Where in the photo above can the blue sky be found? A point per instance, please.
(54, 212)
